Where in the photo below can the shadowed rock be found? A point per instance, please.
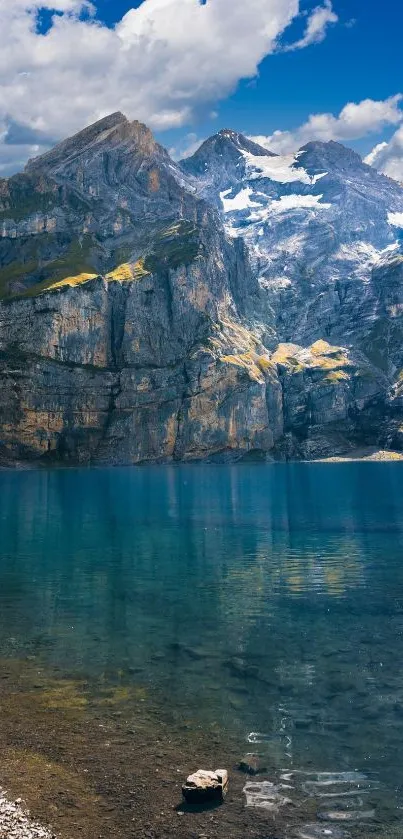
(204, 787)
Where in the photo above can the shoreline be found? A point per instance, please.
(109, 763)
(359, 455)
(362, 456)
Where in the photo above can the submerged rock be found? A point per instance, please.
(253, 764)
(265, 795)
(203, 786)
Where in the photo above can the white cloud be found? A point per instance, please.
(186, 146)
(354, 120)
(388, 157)
(316, 27)
(163, 62)
(13, 158)
(372, 157)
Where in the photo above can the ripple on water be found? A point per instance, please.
(348, 804)
(258, 737)
(320, 831)
(346, 815)
(325, 779)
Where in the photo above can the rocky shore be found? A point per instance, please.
(372, 455)
(108, 763)
(16, 822)
(96, 765)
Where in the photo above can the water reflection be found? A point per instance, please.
(266, 599)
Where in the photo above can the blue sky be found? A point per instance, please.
(360, 58)
(188, 68)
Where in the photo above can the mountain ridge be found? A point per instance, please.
(236, 304)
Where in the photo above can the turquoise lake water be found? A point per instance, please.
(266, 599)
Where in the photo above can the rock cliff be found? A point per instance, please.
(235, 305)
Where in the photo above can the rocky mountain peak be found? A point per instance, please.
(243, 143)
(221, 162)
(330, 155)
(111, 132)
(141, 136)
(73, 146)
(224, 149)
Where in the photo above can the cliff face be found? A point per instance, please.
(135, 326)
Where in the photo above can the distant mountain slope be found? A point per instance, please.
(239, 303)
(321, 228)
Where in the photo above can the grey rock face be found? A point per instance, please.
(240, 304)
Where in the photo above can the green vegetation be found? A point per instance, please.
(23, 195)
(13, 272)
(71, 268)
(334, 362)
(176, 245)
(128, 272)
(336, 376)
(255, 364)
(26, 194)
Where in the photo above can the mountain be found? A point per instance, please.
(324, 233)
(239, 303)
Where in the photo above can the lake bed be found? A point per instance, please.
(158, 620)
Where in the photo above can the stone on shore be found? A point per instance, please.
(203, 787)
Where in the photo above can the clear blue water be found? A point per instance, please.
(267, 600)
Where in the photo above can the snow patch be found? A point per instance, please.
(242, 201)
(296, 202)
(359, 251)
(317, 178)
(281, 168)
(395, 219)
(289, 202)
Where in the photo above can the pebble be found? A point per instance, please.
(15, 823)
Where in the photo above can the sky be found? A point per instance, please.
(282, 71)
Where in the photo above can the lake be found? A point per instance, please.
(254, 608)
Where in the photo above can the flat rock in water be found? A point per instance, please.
(265, 795)
(253, 764)
(203, 786)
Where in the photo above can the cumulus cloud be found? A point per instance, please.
(355, 120)
(163, 62)
(316, 27)
(187, 146)
(388, 157)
